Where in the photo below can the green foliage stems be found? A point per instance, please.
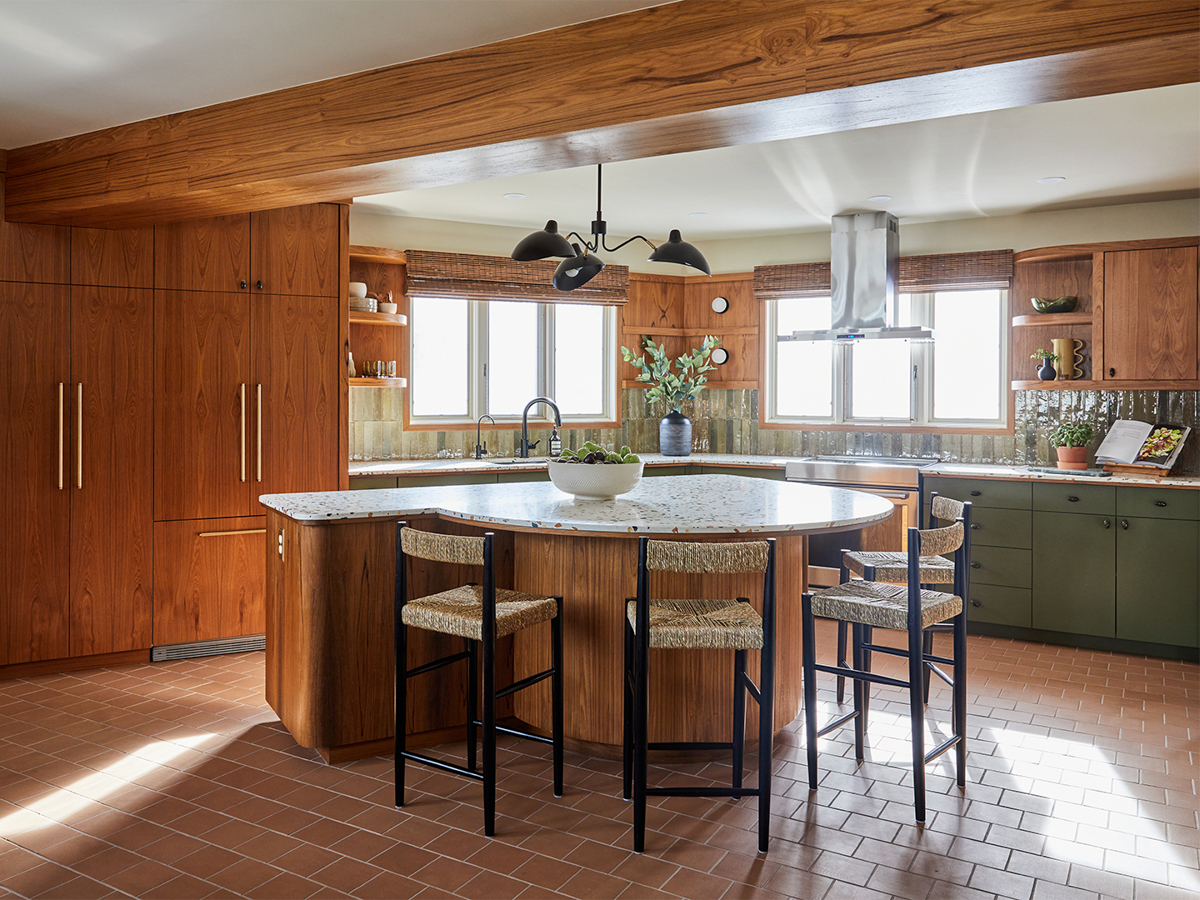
(676, 389)
(1073, 434)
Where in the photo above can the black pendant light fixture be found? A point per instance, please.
(581, 264)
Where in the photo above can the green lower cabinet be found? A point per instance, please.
(1000, 527)
(1004, 566)
(511, 477)
(774, 474)
(1000, 605)
(649, 471)
(1157, 581)
(1074, 573)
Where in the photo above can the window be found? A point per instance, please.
(475, 357)
(956, 380)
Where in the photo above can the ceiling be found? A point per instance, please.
(72, 66)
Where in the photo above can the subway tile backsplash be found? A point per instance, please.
(726, 421)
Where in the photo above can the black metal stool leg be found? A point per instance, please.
(841, 660)
(916, 666)
(401, 705)
(927, 649)
(640, 739)
(960, 696)
(556, 693)
(489, 738)
(472, 701)
(860, 725)
(627, 680)
(739, 716)
(868, 633)
(809, 657)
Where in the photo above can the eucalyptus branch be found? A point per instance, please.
(675, 389)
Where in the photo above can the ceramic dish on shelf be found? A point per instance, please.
(1061, 305)
(389, 308)
(363, 304)
(358, 289)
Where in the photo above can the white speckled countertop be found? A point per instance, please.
(457, 466)
(684, 504)
(1024, 473)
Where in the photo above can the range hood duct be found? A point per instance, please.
(863, 270)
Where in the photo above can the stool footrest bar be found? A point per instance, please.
(524, 683)
(439, 764)
(438, 663)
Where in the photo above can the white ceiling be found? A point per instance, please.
(72, 66)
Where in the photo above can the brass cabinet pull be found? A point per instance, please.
(61, 386)
(224, 533)
(258, 426)
(79, 435)
(242, 445)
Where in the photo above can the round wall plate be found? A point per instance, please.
(720, 356)
(720, 305)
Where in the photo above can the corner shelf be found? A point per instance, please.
(1056, 319)
(1060, 385)
(365, 381)
(358, 317)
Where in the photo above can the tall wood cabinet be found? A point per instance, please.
(247, 388)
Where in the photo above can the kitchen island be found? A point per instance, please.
(331, 569)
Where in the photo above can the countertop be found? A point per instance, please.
(686, 504)
(387, 467)
(1024, 473)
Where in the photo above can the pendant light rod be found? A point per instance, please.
(600, 227)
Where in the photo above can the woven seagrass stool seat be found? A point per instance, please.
(479, 613)
(910, 608)
(891, 566)
(700, 624)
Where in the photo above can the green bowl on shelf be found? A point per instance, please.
(1061, 305)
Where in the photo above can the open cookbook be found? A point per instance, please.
(1131, 443)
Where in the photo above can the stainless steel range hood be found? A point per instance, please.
(863, 269)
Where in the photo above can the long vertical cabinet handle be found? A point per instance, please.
(242, 451)
(79, 434)
(258, 430)
(61, 434)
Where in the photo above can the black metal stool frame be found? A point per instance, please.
(488, 724)
(636, 709)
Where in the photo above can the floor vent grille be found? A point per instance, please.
(191, 650)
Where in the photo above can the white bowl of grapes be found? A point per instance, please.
(593, 473)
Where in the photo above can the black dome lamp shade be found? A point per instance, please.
(677, 250)
(578, 270)
(581, 264)
(540, 244)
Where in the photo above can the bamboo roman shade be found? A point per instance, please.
(466, 277)
(938, 272)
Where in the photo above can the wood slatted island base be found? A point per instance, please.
(330, 573)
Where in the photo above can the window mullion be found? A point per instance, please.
(479, 356)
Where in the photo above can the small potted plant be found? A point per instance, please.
(1047, 371)
(1071, 439)
(675, 429)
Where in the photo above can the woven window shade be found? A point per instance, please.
(466, 277)
(938, 272)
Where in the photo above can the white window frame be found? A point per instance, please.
(921, 384)
(478, 355)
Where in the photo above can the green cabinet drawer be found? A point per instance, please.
(664, 470)
(1158, 582)
(1158, 503)
(1002, 566)
(407, 481)
(372, 482)
(510, 477)
(1067, 497)
(991, 492)
(1000, 605)
(994, 527)
(774, 473)
(1074, 573)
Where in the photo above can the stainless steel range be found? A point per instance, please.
(896, 478)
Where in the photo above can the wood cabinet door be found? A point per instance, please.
(295, 250)
(1074, 573)
(209, 579)
(201, 405)
(1150, 314)
(1157, 581)
(112, 340)
(117, 257)
(296, 395)
(203, 254)
(34, 491)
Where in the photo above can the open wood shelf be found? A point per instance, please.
(1061, 385)
(378, 382)
(1058, 319)
(377, 255)
(359, 317)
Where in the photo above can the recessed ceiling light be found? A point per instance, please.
(514, 196)
(879, 198)
(698, 215)
(1051, 179)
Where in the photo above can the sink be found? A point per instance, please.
(517, 461)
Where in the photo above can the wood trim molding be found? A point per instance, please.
(691, 75)
(73, 664)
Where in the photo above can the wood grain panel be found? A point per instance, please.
(203, 254)
(35, 537)
(1150, 314)
(344, 350)
(380, 278)
(119, 258)
(294, 422)
(295, 250)
(112, 338)
(673, 78)
(202, 359)
(1051, 279)
(208, 587)
(37, 253)
(655, 303)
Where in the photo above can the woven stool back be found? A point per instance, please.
(937, 541)
(946, 508)
(447, 548)
(706, 558)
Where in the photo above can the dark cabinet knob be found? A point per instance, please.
(975, 493)
(976, 604)
(976, 566)
(242, 284)
(1160, 503)
(1072, 499)
(1107, 524)
(1112, 373)
(974, 527)
(258, 284)
(1124, 525)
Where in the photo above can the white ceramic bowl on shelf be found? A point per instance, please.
(594, 482)
(358, 289)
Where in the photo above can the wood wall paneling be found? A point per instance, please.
(343, 336)
(112, 504)
(203, 254)
(673, 78)
(1051, 279)
(294, 250)
(34, 362)
(1150, 328)
(208, 587)
(116, 257)
(202, 361)
(33, 253)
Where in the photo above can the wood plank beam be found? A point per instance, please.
(687, 76)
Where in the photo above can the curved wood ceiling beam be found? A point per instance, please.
(688, 76)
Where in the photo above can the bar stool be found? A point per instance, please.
(480, 614)
(908, 607)
(731, 624)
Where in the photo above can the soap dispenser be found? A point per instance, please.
(555, 443)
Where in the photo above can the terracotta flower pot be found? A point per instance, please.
(1072, 457)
